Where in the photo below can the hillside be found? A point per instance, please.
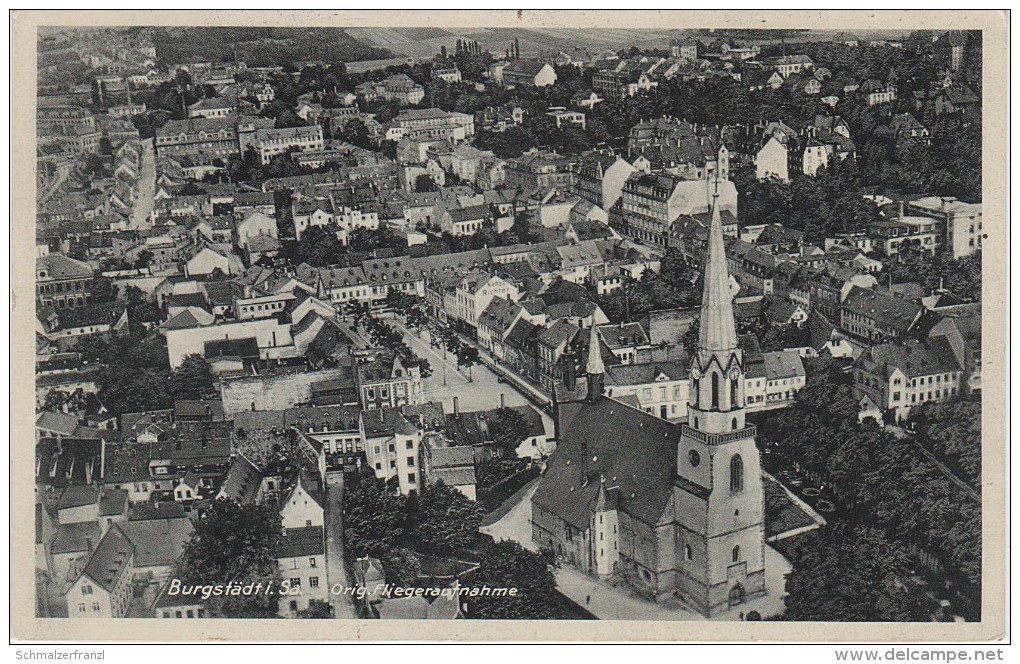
(260, 47)
(425, 42)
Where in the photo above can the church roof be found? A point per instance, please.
(633, 451)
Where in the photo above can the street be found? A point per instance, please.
(336, 571)
(448, 380)
(146, 188)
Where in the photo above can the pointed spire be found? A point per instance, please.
(717, 331)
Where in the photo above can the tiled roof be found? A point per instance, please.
(158, 542)
(301, 542)
(642, 474)
(110, 559)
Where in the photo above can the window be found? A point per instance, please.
(410, 461)
(313, 582)
(86, 589)
(411, 478)
(736, 554)
(293, 605)
(295, 582)
(312, 562)
(688, 554)
(734, 424)
(410, 445)
(715, 391)
(81, 608)
(392, 448)
(378, 466)
(191, 613)
(736, 474)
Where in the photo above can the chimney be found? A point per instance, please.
(89, 545)
(901, 209)
(502, 400)
(456, 406)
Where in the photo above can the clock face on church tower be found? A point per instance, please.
(694, 458)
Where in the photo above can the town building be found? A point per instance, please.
(62, 282)
(271, 142)
(528, 74)
(896, 377)
(959, 223)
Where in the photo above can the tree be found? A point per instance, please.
(319, 246)
(425, 183)
(467, 356)
(848, 574)
(103, 290)
(239, 544)
(374, 521)
(144, 259)
(193, 379)
(445, 520)
(507, 564)
(508, 430)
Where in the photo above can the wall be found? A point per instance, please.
(272, 392)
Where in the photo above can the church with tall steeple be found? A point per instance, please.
(677, 509)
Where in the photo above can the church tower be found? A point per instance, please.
(720, 538)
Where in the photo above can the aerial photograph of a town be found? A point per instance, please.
(508, 323)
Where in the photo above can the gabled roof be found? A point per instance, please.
(641, 473)
(157, 542)
(783, 364)
(110, 559)
(301, 542)
(886, 309)
(77, 496)
(640, 374)
(499, 314)
(75, 537)
(913, 358)
(523, 68)
(58, 267)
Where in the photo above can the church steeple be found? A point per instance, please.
(717, 332)
(717, 375)
(595, 369)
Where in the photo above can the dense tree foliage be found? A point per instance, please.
(676, 285)
(235, 543)
(832, 202)
(952, 432)
(881, 480)
(193, 379)
(852, 574)
(507, 564)
(134, 373)
(437, 520)
(508, 429)
(260, 46)
(960, 276)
